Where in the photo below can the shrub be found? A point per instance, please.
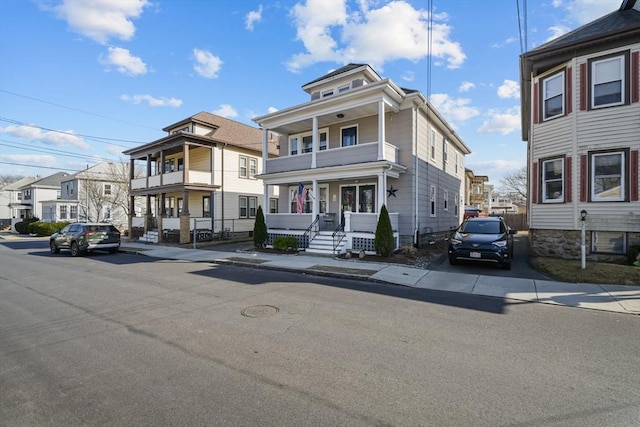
(632, 254)
(409, 251)
(383, 243)
(286, 244)
(259, 230)
(46, 228)
(23, 227)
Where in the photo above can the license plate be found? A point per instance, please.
(475, 255)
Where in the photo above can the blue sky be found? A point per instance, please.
(83, 80)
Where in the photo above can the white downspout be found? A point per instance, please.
(416, 219)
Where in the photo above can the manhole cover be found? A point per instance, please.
(260, 311)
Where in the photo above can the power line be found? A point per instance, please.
(95, 138)
(76, 109)
(50, 151)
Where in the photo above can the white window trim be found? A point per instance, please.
(545, 198)
(345, 88)
(328, 92)
(300, 137)
(592, 177)
(246, 167)
(357, 135)
(445, 151)
(622, 61)
(562, 94)
(247, 200)
(446, 200)
(433, 136)
(358, 185)
(252, 172)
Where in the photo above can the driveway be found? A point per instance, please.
(521, 266)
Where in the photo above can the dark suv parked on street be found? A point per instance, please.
(486, 239)
(85, 237)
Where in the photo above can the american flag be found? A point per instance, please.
(301, 197)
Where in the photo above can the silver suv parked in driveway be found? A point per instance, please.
(81, 237)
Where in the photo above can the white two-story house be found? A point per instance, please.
(581, 119)
(359, 143)
(202, 176)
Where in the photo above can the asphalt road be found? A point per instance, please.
(130, 340)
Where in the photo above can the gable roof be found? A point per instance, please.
(51, 181)
(344, 69)
(20, 183)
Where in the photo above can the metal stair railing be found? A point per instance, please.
(339, 232)
(310, 233)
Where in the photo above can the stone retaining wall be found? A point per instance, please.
(566, 244)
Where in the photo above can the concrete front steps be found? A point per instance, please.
(149, 237)
(322, 244)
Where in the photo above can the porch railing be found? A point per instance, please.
(310, 232)
(339, 234)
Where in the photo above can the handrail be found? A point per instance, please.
(338, 229)
(307, 237)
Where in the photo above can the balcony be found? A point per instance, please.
(172, 178)
(362, 153)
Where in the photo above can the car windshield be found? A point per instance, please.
(482, 227)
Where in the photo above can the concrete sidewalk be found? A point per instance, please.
(615, 298)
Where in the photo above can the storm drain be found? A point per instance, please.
(260, 311)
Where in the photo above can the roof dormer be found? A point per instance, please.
(342, 80)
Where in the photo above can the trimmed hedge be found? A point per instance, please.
(23, 227)
(259, 229)
(46, 228)
(286, 244)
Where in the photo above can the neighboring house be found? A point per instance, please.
(202, 176)
(359, 143)
(34, 193)
(97, 194)
(502, 205)
(11, 205)
(475, 190)
(581, 118)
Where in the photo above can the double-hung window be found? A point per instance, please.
(608, 177)
(445, 152)
(63, 212)
(432, 201)
(248, 206)
(293, 146)
(349, 136)
(307, 144)
(553, 181)
(107, 189)
(432, 144)
(243, 167)
(608, 81)
(446, 200)
(253, 167)
(303, 142)
(553, 96)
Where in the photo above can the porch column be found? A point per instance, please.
(132, 175)
(148, 216)
(265, 149)
(382, 191)
(161, 171)
(265, 199)
(314, 146)
(148, 169)
(381, 134)
(132, 213)
(315, 203)
(185, 218)
(185, 171)
(185, 202)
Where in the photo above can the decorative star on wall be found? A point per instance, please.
(391, 191)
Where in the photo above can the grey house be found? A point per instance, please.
(361, 142)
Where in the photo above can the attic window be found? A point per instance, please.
(327, 93)
(342, 89)
(184, 129)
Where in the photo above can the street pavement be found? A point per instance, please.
(612, 298)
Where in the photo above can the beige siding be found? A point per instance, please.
(200, 159)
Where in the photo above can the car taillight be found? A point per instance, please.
(88, 233)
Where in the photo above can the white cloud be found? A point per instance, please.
(394, 31)
(33, 133)
(124, 62)
(556, 31)
(409, 76)
(454, 110)
(253, 17)
(226, 110)
(509, 40)
(585, 11)
(207, 64)
(466, 86)
(509, 89)
(502, 122)
(272, 109)
(101, 20)
(152, 101)
(495, 169)
(42, 160)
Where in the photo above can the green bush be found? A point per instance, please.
(632, 253)
(383, 243)
(46, 228)
(23, 227)
(259, 230)
(286, 244)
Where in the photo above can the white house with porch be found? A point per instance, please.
(359, 143)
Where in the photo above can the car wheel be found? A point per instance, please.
(53, 247)
(75, 250)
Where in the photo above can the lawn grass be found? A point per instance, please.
(568, 270)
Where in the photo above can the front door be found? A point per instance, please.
(347, 200)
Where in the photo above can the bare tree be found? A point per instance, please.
(8, 179)
(514, 185)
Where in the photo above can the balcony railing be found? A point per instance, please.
(195, 177)
(361, 153)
